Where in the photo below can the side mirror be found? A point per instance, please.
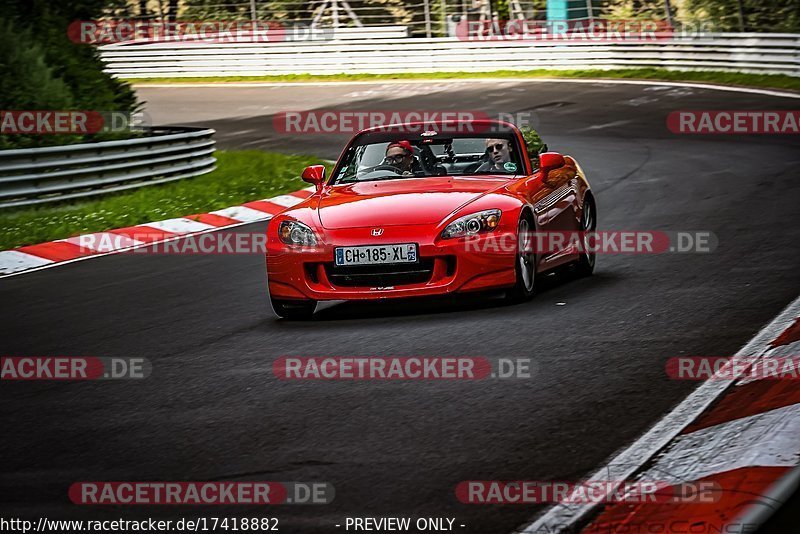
(549, 161)
(315, 174)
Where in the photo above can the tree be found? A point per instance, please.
(44, 70)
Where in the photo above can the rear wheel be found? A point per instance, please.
(525, 264)
(294, 310)
(587, 259)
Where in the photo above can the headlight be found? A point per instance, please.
(296, 233)
(483, 221)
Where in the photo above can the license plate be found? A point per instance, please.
(376, 254)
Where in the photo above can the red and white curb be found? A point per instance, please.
(744, 436)
(44, 255)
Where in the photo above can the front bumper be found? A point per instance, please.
(444, 266)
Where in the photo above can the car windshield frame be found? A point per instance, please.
(425, 138)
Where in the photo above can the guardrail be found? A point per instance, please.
(742, 52)
(38, 175)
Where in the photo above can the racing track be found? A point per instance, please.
(213, 410)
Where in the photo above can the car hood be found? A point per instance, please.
(400, 202)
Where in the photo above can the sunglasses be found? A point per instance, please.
(396, 159)
(499, 147)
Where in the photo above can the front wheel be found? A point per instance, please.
(294, 310)
(525, 264)
(585, 264)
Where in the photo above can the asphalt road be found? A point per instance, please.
(213, 410)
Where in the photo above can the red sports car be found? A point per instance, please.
(413, 210)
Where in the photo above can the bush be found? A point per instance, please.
(43, 70)
(27, 81)
(533, 142)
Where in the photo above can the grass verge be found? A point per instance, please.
(241, 176)
(773, 81)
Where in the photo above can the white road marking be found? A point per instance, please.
(179, 226)
(606, 125)
(243, 213)
(256, 142)
(769, 439)
(103, 241)
(674, 92)
(636, 102)
(101, 254)
(630, 460)
(789, 352)
(234, 134)
(286, 201)
(12, 261)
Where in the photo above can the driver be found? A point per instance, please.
(400, 155)
(499, 152)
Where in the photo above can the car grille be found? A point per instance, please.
(380, 275)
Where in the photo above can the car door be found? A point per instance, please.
(555, 212)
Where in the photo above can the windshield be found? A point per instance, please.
(391, 157)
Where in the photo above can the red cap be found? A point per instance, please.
(402, 144)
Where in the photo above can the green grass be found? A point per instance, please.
(241, 176)
(775, 81)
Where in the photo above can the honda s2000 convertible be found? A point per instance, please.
(413, 210)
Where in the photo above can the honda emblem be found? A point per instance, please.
(377, 232)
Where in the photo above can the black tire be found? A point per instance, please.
(586, 262)
(524, 264)
(294, 310)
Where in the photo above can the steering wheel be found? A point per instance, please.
(362, 174)
(382, 167)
